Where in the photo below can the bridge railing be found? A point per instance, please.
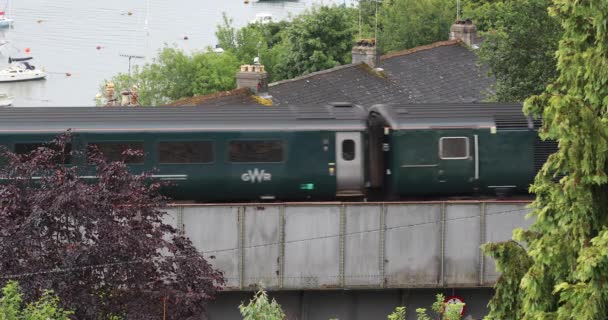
(300, 246)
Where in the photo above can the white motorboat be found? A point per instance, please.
(262, 18)
(6, 100)
(4, 21)
(21, 70)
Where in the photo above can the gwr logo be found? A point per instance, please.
(256, 175)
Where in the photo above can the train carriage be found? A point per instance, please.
(215, 153)
(444, 149)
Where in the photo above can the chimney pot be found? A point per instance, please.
(125, 98)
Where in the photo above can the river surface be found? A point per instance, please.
(86, 39)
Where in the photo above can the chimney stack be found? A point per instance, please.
(110, 94)
(365, 51)
(253, 77)
(465, 31)
(134, 96)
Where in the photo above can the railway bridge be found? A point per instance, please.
(346, 260)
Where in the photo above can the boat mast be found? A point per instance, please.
(147, 29)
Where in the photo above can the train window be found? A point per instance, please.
(348, 150)
(113, 151)
(185, 152)
(454, 148)
(26, 148)
(256, 151)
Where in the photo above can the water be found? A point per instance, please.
(86, 38)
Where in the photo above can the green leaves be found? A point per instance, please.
(10, 303)
(175, 74)
(46, 308)
(567, 245)
(398, 314)
(319, 39)
(409, 23)
(260, 308)
(512, 262)
(520, 40)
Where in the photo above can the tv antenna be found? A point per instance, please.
(131, 56)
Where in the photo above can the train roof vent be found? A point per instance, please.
(341, 104)
(510, 122)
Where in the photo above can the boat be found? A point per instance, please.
(4, 21)
(218, 49)
(262, 18)
(6, 100)
(21, 70)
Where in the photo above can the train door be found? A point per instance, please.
(458, 162)
(349, 163)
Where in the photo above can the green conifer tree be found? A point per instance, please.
(568, 242)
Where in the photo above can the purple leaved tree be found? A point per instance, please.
(99, 242)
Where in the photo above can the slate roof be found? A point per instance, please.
(446, 73)
(442, 72)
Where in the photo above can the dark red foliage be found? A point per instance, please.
(99, 242)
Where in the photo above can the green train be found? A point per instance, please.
(293, 153)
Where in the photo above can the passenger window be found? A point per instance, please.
(348, 150)
(256, 151)
(185, 152)
(113, 151)
(26, 148)
(454, 148)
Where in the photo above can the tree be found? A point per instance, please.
(253, 40)
(46, 308)
(512, 262)
(409, 23)
(520, 41)
(100, 244)
(260, 308)
(318, 39)
(175, 74)
(568, 241)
